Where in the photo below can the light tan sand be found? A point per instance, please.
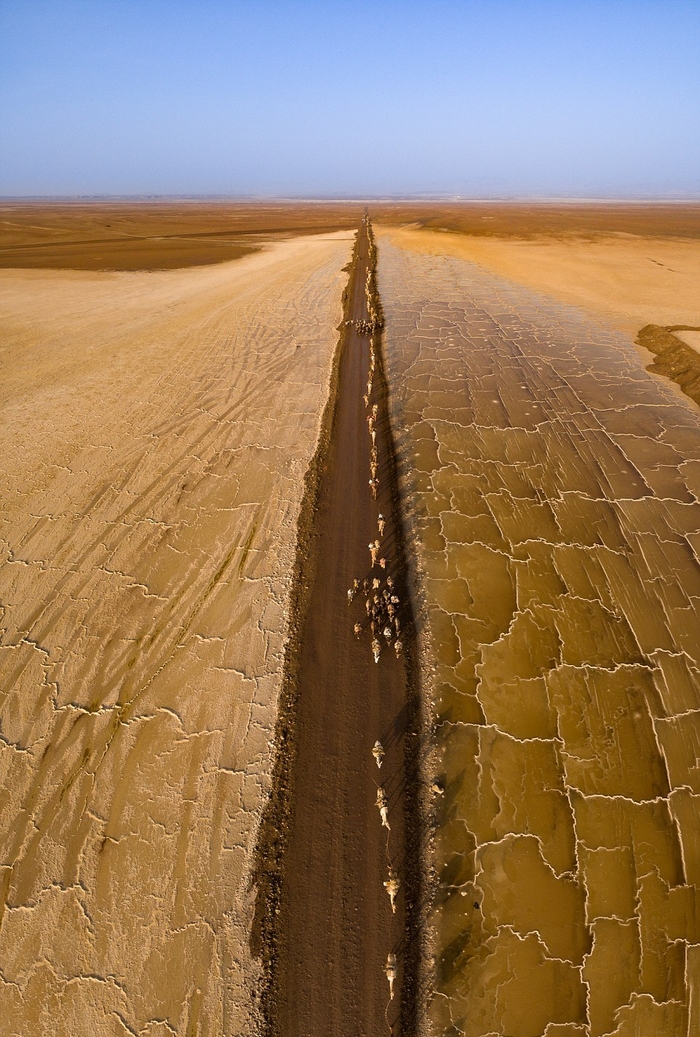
(632, 281)
(156, 429)
(554, 493)
(691, 338)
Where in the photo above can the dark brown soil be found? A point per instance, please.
(324, 925)
(153, 235)
(587, 220)
(160, 235)
(674, 358)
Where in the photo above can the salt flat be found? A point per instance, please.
(552, 486)
(156, 429)
(631, 280)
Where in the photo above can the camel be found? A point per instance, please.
(382, 562)
(357, 629)
(383, 807)
(378, 752)
(374, 551)
(390, 971)
(398, 648)
(376, 649)
(381, 524)
(392, 886)
(387, 632)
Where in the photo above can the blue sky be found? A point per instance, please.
(494, 98)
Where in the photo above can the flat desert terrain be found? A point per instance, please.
(153, 235)
(635, 265)
(165, 373)
(553, 499)
(156, 431)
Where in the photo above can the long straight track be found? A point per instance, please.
(332, 924)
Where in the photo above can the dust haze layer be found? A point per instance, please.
(156, 429)
(552, 485)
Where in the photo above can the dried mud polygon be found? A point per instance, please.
(551, 486)
(156, 431)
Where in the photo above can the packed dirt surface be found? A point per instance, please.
(156, 429)
(553, 489)
(154, 235)
(330, 930)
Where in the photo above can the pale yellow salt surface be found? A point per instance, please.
(691, 338)
(552, 487)
(156, 429)
(632, 281)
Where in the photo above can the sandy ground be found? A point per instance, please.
(691, 338)
(553, 487)
(630, 280)
(156, 429)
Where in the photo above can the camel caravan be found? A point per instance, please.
(382, 606)
(381, 601)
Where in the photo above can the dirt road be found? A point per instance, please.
(335, 926)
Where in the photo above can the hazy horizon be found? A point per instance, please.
(548, 100)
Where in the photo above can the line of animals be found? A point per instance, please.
(382, 604)
(381, 601)
(393, 883)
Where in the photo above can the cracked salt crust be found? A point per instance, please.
(156, 430)
(552, 491)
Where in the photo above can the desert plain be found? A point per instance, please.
(159, 410)
(156, 430)
(552, 502)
